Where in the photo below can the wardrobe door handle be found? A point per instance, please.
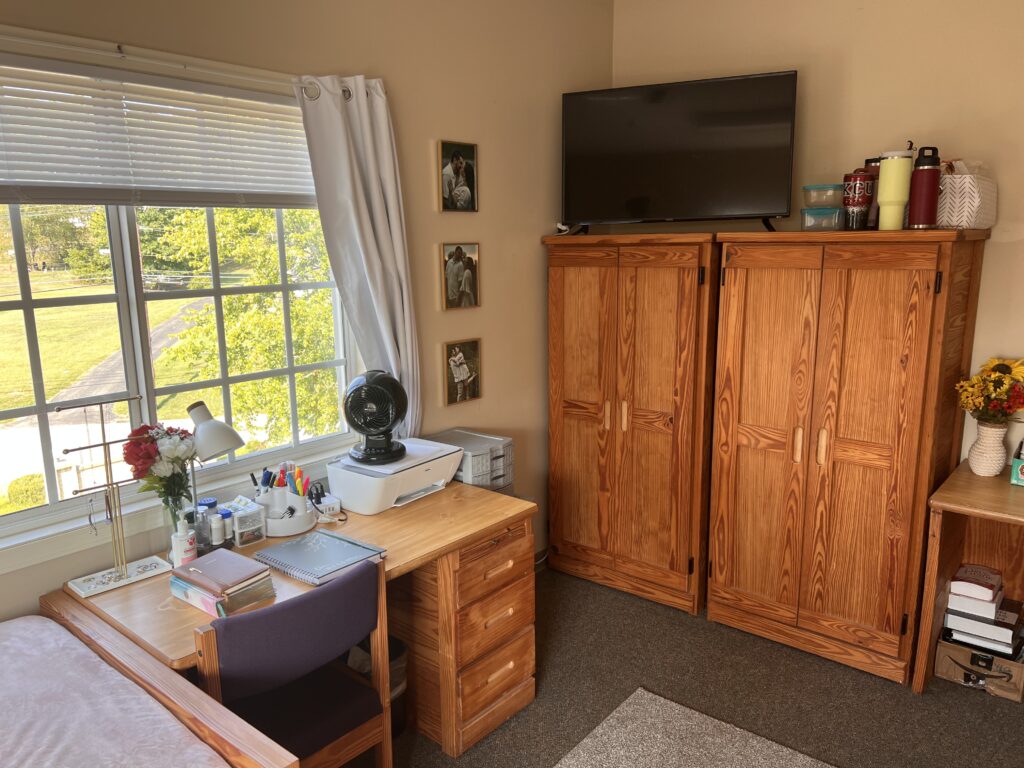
(625, 415)
(607, 415)
(822, 446)
(798, 444)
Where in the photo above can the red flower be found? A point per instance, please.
(140, 451)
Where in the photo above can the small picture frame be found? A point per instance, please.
(458, 170)
(460, 275)
(461, 371)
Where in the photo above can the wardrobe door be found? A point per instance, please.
(582, 297)
(876, 316)
(654, 412)
(768, 317)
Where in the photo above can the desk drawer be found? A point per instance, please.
(488, 623)
(486, 680)
(493, 563)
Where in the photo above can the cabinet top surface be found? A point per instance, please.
(989, 497)
(668, 238)
(695, 238)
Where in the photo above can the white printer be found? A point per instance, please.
(368, 489)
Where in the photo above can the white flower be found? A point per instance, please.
(174, 447)
(162, 468)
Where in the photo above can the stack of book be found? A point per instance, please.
(222, 583)
(979, 615)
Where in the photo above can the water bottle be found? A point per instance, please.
(894, 187)
(924, 190)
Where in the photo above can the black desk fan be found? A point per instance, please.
(375, 403)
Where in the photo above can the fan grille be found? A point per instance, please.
(370, 409)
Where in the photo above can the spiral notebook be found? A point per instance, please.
(317, 557)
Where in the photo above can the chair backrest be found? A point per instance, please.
(270, 647)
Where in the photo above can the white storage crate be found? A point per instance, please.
(487, 460)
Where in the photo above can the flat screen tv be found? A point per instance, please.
(703, 149)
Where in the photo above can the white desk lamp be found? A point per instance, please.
(212, 438)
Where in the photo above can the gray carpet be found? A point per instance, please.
(596, 646)
(647, 731)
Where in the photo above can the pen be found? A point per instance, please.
(253, 478)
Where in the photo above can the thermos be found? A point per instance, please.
(858, 194)
(871, 165)
(894, 188)
(924, 190)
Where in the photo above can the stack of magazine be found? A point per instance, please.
(222, 583)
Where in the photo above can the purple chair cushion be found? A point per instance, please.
(310, 713)
(271, 647)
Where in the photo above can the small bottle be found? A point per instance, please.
(183, 544)
(229, 524)
(216, 529)
(202, 529)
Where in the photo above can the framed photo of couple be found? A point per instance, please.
(460, 275)
(461, 371)
(457, 170)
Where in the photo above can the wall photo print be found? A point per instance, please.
(460, 275)
(462, 371)
(457, 166)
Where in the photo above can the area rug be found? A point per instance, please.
(647, 731)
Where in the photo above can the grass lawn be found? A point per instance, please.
(72, 341)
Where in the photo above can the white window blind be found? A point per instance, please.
(70, 137)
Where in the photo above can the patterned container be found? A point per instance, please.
(966, 201)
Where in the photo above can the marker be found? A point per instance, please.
(305, 487)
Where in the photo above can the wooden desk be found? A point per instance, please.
(973, 520)
(460, 569)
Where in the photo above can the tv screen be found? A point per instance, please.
(704, 149)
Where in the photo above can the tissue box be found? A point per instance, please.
(1017, 466)
(966, 201)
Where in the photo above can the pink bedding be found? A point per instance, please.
(64, 706)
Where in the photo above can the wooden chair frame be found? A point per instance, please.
(375, 733)
(237, 742)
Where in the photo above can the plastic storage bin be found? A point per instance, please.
(821, 219)
(823, 195)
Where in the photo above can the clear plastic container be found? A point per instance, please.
(823, 195)
(821, 219)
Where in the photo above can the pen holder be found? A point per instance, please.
(277, 502)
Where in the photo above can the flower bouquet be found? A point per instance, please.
(159, 457)
(992, 396)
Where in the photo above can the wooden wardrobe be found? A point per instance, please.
(631, 327)
(835, 418)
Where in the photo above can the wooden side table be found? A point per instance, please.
(973, 520)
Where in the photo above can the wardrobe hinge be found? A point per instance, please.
(700, 275)
(938, 282)
(723, 275)
(689, 567)
(903, 624)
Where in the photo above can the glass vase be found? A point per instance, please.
(173, 506)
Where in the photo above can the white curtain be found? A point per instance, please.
(355, 172)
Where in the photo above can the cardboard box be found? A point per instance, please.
(1017, 466)
(977, 669)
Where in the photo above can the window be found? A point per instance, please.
(160, 243)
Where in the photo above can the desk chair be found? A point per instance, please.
(275, 668)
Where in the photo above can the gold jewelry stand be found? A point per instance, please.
(121, 573)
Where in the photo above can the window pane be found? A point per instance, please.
(80, 347)
(8, 269)
(305, 251)
(84, 469)
(261, 412)
(318, 396)
(313, 326)
(254, 332)
(247, 246)
(21, 466)
(15, 376)
(68, 250)
(175, 248)
(183, 340)
(172, 410)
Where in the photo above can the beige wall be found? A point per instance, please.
(488, 72)
(871, 74)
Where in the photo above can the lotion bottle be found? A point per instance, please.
(183, 544)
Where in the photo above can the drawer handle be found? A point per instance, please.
(506, 614)
(495, 571)
(495, 675)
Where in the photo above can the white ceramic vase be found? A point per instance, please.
(987, 456)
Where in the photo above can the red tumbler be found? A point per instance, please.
(924, 190)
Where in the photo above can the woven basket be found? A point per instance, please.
(966, 201)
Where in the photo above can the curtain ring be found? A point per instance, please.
(346, 92)
(311, 91)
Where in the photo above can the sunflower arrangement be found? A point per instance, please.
(995, 393)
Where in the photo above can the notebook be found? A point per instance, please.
(221, 572)
(317, 557)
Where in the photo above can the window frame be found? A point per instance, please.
(130, 296)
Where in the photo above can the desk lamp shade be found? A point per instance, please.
(213, 438)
